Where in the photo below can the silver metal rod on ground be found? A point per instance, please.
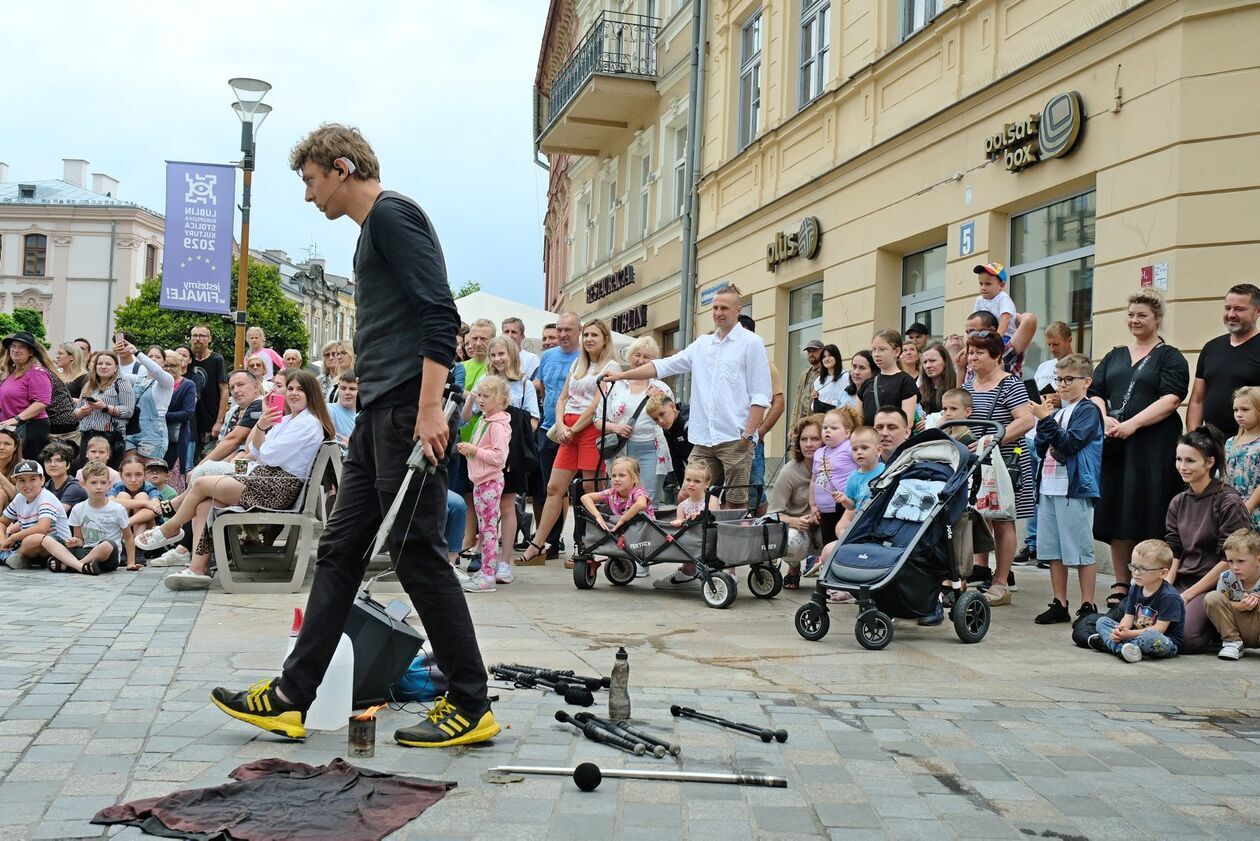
(631, 774)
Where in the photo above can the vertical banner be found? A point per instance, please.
(197, 257)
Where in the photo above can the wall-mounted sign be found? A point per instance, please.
(1155, 276)
(631, 320)
(609, 284)
(1051, 134)
(966, 238)
(707, 295)
(803, 243)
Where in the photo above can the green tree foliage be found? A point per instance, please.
(468, 288)
(280, 318)
(23, 319)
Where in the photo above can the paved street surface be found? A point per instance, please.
(104, 682)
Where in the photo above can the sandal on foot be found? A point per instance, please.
(153, 540)
(91, 568)
(165, 508)
(1119, 592)
(526, 559)
(792, 581)
(55, 565)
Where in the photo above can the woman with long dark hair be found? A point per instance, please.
(861, 370)
(828, 388)
(937, 377)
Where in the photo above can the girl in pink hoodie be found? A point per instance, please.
(487, 452)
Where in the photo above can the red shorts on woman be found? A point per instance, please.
(581, 452)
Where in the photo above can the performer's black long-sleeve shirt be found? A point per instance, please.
(405, 308)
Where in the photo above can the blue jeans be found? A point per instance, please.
(456, 519)
(757, 473)
(644, 452)
(1151, 641)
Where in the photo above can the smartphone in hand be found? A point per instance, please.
(275, 402)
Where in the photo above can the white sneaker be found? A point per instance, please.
(186, 579)
(1231, 650)
(1130, 652)
(679, 582)
(176, 557)
(503, 573)
(478, 583)
(460, 575)
(640, 570)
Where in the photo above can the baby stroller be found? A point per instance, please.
(919, 528)
(716, 541)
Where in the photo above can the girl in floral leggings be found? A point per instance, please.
(487, 452)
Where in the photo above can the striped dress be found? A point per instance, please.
(1009, 394)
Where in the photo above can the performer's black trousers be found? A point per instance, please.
(373, 472)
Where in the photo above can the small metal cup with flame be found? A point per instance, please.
(362, 733)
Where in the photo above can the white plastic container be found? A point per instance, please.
(335, 697)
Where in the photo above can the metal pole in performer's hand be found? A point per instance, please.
(405, 310)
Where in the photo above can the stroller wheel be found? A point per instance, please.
(719, 591)
(765, 581)
(619, 571)
(971, 617)
(584, 573)
(874, 630)
(812, 622)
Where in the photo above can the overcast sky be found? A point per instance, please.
(441, 88)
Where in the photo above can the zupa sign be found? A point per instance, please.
(1051, 134)
(803, 243)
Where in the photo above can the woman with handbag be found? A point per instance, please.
(828, 387)
(26, 391)
(625, 427)
(1138, 387)
(574, 430)
(999, 396)
(107, 402)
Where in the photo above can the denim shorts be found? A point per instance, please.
(1065, 530)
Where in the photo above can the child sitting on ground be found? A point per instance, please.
(30, 516)
(487, 453)
(1069, 442)
(98, 449)
(833, 464)
(1234, 606)
(691, 502)
(1153, 611)
(133, 493)
(157, 473)
(955, 406)
(100, 531)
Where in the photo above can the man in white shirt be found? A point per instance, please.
(514, 329)
(730, 392)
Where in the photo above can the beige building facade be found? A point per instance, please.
(1091, 146)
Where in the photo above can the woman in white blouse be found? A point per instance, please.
(624, 399)
(281, 450)
(831, 381)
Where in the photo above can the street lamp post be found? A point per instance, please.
(251, 111)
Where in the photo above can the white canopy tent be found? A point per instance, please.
(492, 307)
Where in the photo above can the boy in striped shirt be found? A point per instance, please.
(33, 513)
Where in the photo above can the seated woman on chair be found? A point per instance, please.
(282, 449)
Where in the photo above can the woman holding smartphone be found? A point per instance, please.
(108, 401)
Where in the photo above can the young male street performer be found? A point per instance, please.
(405, 311)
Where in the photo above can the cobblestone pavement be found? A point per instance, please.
(103, 688)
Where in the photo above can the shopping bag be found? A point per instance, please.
(996, 500)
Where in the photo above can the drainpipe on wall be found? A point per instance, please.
(695, 115)
(109, 290)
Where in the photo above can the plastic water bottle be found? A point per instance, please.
(619, 691)
(335, 697)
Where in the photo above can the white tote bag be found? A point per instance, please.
(997, 495)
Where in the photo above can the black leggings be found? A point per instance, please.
(827, 521)
(34, 437)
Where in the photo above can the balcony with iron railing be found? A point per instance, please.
(602, 88)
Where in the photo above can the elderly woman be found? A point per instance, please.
(337, 360)
(790, 498)
(1138, 387)
(999, 396)
(626, 407)
(26, 390)
(282, 449)
(574, 430)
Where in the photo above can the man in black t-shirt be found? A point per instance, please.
(247, 408)
(212, 400)
(404, 345)
(1227, 362)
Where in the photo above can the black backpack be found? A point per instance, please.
(133, 422)
(1086, 626)
(523, 451)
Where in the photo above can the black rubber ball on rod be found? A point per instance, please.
(587, 776)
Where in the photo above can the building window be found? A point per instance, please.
(645, 194)
(610, 220)
(582, 259)
(805, 322)
(815, 47)
(35, 259)
(749, 80)
(923, 290)
(915, 14)
(1052, 269)
(150, 261)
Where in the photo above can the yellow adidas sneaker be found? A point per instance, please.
(447, 726)
(260, 706)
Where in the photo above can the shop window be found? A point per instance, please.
(815, 47)
(916, 14)
(36, 256)
(923, 291)
(1052, 270)
(805, 322)
(750, 80)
